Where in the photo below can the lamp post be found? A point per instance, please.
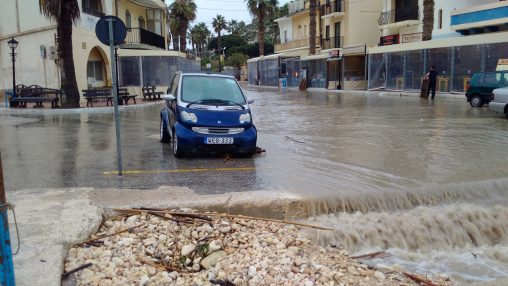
(13, 44)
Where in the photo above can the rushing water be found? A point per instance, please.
(425, 181)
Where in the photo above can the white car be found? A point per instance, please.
(500, 102)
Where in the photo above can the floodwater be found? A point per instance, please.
(426, 181)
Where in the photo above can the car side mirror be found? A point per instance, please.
(168, 97)
(250, 101)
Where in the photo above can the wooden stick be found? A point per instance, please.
(108, 235)
(235, 216)
(157, 265)
(65, 274)
(419, 279)
(371, 255)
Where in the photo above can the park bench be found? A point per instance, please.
(124, 95)
(35, 94)
(149, 93)
(97, 94)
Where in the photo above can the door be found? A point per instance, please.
(491, 81)
(337, 41)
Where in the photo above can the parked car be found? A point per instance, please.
(482, 85)
(206, 112)
(500, 101)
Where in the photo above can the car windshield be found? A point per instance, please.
(197, 88)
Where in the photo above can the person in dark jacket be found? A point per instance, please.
(432, 76)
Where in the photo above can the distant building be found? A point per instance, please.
(469, 36)
(144, 58)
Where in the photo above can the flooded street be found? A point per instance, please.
(426, 181)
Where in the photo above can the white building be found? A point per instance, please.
(37, 52)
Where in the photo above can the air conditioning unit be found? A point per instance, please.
(53, 53)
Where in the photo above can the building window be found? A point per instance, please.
(128, 22)
(92, 7)
(327, 32)
(440, 19)
(141, 22)
(94, 70)
(154, 21)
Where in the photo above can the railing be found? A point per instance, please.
(142, 36)
(332, 43)
(294, 44)
(332, 7)
(400, 15)
(92, 12)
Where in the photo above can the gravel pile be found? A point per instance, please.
(224, 251)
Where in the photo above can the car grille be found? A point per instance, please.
(217, 131)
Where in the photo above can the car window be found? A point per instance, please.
(197, 87)
(492, 78)
(505, 83)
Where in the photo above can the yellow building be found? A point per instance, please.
(37, 52)
(344, 30)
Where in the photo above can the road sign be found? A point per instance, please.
(102, 30)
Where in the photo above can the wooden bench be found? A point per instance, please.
(97, 94)
(35, 94)
(149, 93)
(124, 95)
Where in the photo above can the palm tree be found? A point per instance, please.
(428, 19)
(65, 13)
(260, 9)
(233, 27)
(185, 12)
(312, 27)
(174, 27)
(219, 24)
(199, 36)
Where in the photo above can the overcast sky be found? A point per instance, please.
(230, 9)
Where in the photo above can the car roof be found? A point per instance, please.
(206, 73)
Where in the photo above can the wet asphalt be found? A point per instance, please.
(314, 141)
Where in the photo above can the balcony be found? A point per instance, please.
(141, 37)
(93, 12)
(397, 16)
(490, 17)
(332, 43)
(296, 44)
(331, 9)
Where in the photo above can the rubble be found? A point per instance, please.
(164, 249)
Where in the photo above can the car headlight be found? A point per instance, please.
(188, 116)
(245, 118)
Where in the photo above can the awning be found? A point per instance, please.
(353, 50)
(155, 4)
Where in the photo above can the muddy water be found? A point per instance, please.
(425, 181)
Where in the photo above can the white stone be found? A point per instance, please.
(379, 275)
(252, 271)
(188, 249)
(214, 246)
(225, 229)
(212, 259)
(143, 280)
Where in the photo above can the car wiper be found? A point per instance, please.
(215, 100)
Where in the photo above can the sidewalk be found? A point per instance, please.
(50, 221)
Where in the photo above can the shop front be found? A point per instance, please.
(354, 68)
(334, 68)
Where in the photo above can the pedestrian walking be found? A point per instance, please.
(432, 77)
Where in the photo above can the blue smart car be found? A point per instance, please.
(207, 113)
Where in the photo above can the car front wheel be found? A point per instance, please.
(164, 134)
(177, 149)
(476, 101)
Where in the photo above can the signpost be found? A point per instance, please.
(110, 30)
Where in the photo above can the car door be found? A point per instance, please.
(505, 79)
(491, 81)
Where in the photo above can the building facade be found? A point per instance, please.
(345, 28)
(468, 37)
(37, 53)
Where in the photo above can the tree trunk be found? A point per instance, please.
(312, 27)
(428, 19)
(183, 37)
(68, 75)
(261, 29)
(176, 42)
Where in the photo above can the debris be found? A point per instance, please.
(289, 138)
(260, 150)
(94, 240)
(378, 254)
(419, 279)
(66, 274)
(222, 282)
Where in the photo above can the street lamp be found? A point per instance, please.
(13, 44)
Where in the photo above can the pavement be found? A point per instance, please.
(50, 221)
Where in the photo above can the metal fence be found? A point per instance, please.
(455, 65)
(153, 70)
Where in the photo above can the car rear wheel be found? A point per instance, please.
(164, 134)
(476, 101)
(177, 150)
